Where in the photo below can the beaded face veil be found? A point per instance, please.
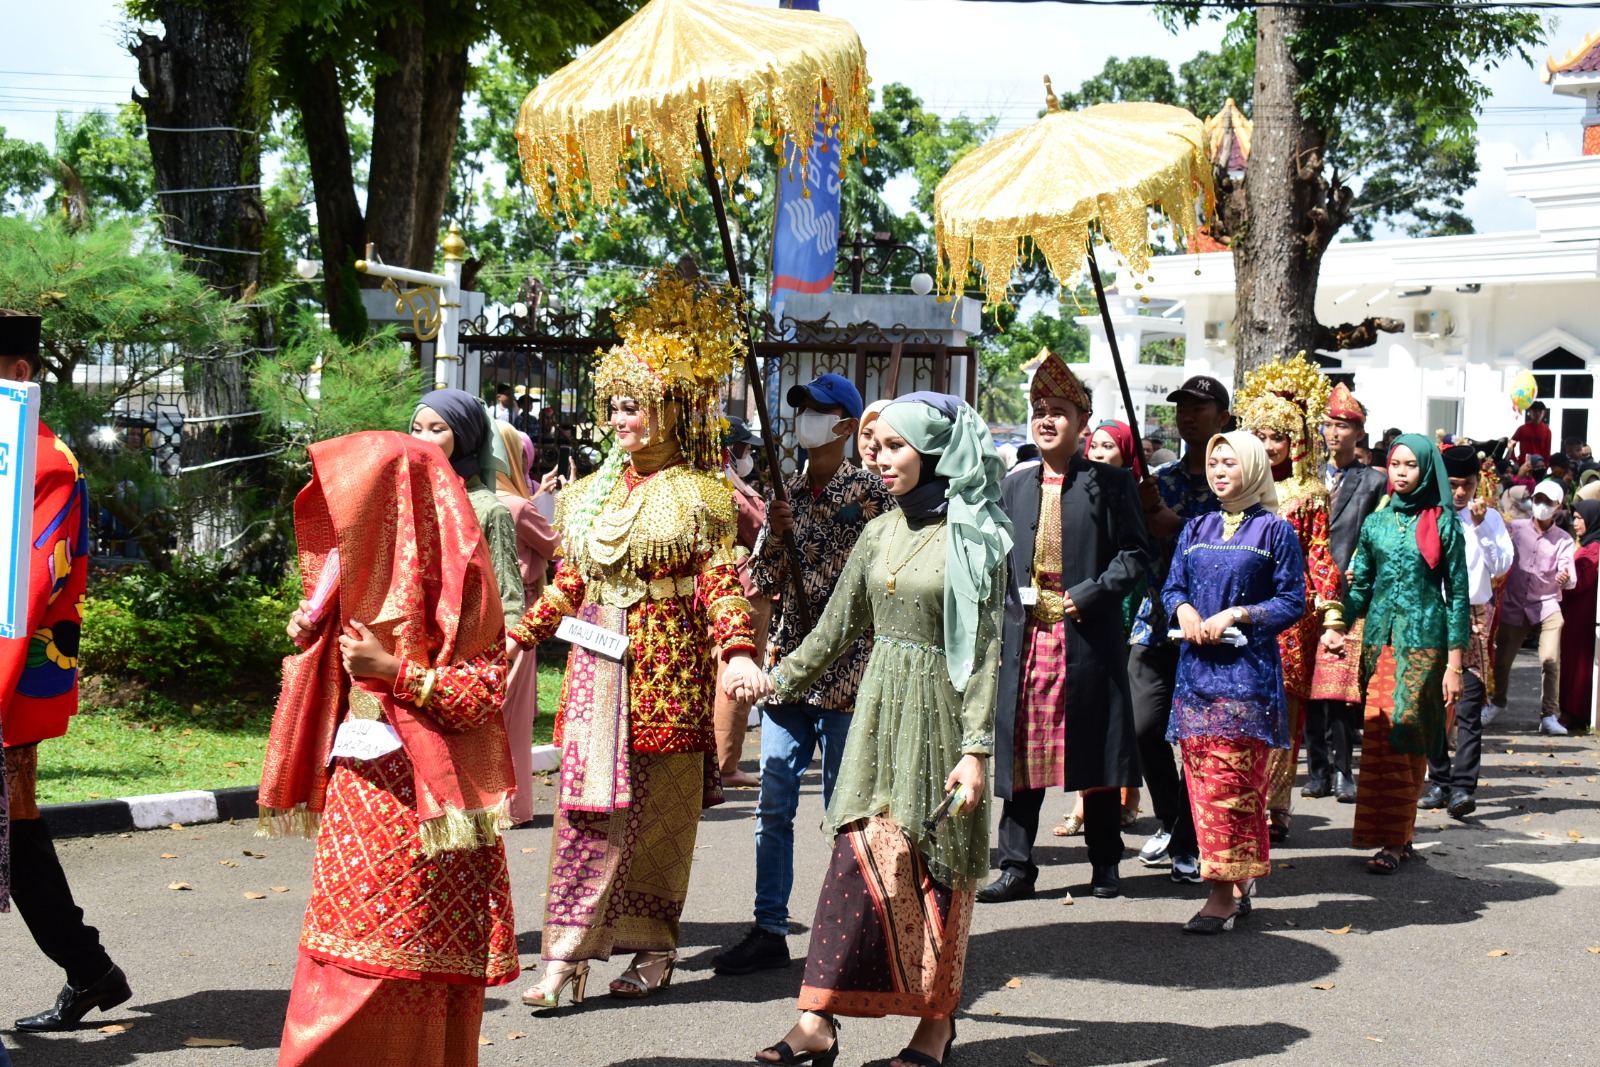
(1291, 397)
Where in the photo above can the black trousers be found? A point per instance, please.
(1019, 827)
(1331, 730)
(1463, 773)
(40, 891)
(1152, 670)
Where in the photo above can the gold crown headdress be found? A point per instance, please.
(1290, 396)
(680, 343)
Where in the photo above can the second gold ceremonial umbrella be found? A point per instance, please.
(1051, 182)
(683, 79)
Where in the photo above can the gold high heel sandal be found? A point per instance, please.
(541, 996)
(631, 983)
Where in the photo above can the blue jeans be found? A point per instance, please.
(790, 736)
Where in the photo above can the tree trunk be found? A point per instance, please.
(441, 122)
(1276, 273)
(397, 132)
(204, 147)
(340, 228)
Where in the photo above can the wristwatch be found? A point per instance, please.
(1238, 615)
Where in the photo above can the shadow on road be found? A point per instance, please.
(252, 1017)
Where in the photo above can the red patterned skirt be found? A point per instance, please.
(340, 1019)
(383, 908)
(887, 938)
(1041, 731)
(1228, 795)
(1390, 780)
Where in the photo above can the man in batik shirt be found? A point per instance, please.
(830, 502)
(38, 694)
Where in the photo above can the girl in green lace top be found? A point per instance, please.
(890, 932)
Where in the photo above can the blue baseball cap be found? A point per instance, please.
(828, 391)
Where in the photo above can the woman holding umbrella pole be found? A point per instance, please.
(890, 932)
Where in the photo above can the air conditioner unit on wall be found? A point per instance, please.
(1432, 325)
(1217, 332)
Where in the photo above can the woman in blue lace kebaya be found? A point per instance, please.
(1242, 569)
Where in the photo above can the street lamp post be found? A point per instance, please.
(434, 303)
(883, 246)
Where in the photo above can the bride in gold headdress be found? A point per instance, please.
(1284, 403)
(648, 542)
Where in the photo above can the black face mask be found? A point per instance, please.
(927, 500)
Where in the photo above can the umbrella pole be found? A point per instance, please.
(1116, 353)
(752, 375)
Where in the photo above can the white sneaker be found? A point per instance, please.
(1154, 852)
(1491, 712)
(1552, 726)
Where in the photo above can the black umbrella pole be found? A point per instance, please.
(1116, 356)
(752, 375)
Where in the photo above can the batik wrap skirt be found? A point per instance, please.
(1227, 792)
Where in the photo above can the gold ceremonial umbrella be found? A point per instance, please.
(687, 78)
(1053, 181)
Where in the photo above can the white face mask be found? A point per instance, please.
(744, 465)
(813, 429)
(1544, 512)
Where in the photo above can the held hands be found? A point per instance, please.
(969, 773)
(742, 680)
(365, 657)
(1333, 641)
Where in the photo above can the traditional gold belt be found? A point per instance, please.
(1049, 607)
(626, 592)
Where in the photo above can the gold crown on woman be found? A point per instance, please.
(1290, 396)
(680, 343)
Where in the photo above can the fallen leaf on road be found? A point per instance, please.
(1575, 835)
(255, 855)
(252, 895)
(1594, 950)
(1500, 952)
(1038, 1060)
(1324, 985)
(211, 1042)
(1283, 866)
(1067, 899)
(516, 1036)
(169, 855)
(1341, 930)
(116, 1028)
(176, 826)
(179, 885)
(278, 888)
(1592, 779)
(228, 863)
(483, 1040)
(1379, 1040)
(1015, 983)
(1290, 922)
(994, 1013)
(527, 850)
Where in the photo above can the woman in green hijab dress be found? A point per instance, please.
(1409, 581)
(929, 579)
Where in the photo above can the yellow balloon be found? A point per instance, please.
(1524, 390)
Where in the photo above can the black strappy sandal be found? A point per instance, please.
(824, 1058)
(1385, 864)
(922, 1059)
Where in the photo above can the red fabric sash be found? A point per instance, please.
(414, 567)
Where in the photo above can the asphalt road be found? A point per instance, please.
(1485, 952)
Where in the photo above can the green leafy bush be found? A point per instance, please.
(188, 631)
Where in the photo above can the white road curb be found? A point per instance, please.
(163, 809)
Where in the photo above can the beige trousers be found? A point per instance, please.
(1505, 654)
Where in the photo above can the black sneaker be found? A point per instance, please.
(761, 950)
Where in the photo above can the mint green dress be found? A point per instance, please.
(910, 727)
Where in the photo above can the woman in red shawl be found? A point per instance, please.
(388, 733)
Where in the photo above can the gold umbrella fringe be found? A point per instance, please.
(969, 232)
(751, 69)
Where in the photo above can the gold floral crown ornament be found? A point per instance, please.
(680, 343)
(1290, 396)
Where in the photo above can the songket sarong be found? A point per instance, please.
(888, 939)
(1390, 780)
(1227, 793)
(340, 1019)
(1338, 677)
(1041, 731)
(618, 878)
(1283, 763)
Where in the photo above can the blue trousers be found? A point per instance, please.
(790, 735)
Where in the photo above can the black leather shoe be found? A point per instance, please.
(1105, 882)
(73, 1004)
(1432, 797)
(1344, 788)
(1317, 788)
(761, 950)
(1008, 887)
(1461, 804)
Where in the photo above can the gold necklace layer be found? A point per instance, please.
(918, 547)
(1231, 521)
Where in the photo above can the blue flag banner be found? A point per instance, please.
(805, 234)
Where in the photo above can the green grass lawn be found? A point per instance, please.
(128, 746)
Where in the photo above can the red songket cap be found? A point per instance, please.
(1342, 404)
(1055, 378)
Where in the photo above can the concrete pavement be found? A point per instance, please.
(1486, 952)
